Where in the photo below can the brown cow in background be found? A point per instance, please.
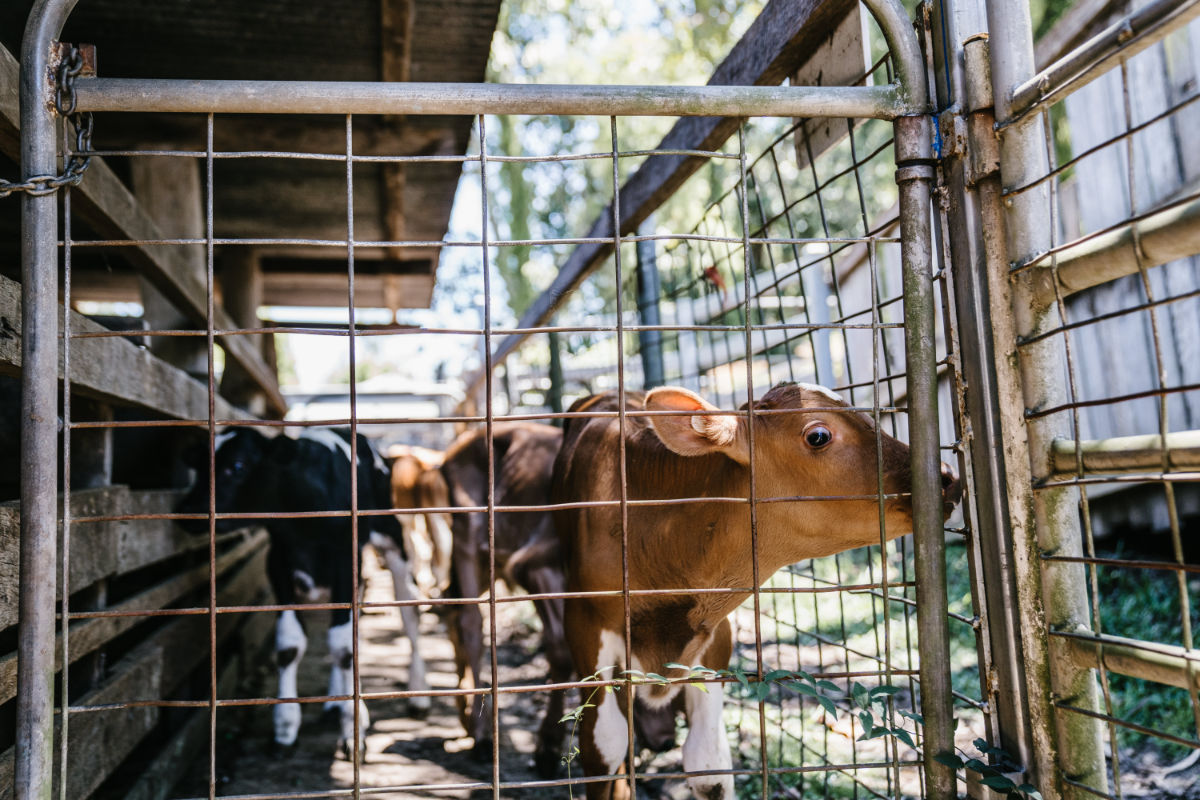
(417, 483)
(528, 555)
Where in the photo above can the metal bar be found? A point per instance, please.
(348, 97)
(1127, 453)
(34, 745)
(1120, 41)
(1166, 664)
(1155, 239)
(1053, 595)
(915, 177)
(649, 290)
(973, 251)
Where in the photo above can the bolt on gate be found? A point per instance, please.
(758, 290)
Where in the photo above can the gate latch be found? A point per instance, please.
(73, 61)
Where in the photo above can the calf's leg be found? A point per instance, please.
(707, 744)
(341, 652)
(405, 590)
(290, 644)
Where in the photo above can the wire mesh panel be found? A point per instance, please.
(789, 302)
(1103, 264)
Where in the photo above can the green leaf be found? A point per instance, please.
(829, 686)
(917, 718)
(884, 690)
(777, 674)
(981, 745)
(862, 698)
(654, 676)
(804, 676)
(762, 690)
(976, 765)
(701, 686)
(675, 665)
(804, 688)
(904, 736)
(949, 759)
(1030, 791)
(999, 782)
(827, 704)
(867, 720)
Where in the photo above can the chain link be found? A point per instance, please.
(64, 102)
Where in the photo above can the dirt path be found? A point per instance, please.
(401, 751)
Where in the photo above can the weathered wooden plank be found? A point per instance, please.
(88, 635)
(114, 212)
(149, 672)
(112, 369)
(100, 549)
(160, 776)
(783, 37)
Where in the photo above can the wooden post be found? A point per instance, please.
(241, 294)
(169, 190)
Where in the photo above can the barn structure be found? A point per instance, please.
(984, 244)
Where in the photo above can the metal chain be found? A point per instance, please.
(77, 163)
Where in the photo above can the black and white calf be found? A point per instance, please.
(310, 558)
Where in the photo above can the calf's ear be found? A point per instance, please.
(696, 434)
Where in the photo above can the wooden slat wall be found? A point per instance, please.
(1117, 356)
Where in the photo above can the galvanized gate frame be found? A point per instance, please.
(1043, 651)
(904, 102)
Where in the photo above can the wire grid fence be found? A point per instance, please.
(1124, 318)
(799, 238)
(825, 306)
(814, 237)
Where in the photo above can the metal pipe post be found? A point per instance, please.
(914, 175)
(649, 342)
(33, 776)
(970, 169)
(1052, 514)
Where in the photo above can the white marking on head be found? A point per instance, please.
(821, 390)
(328, 438)
(221, 438)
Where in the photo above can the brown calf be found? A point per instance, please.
(418, 483)
(819, 451)
(528, 555)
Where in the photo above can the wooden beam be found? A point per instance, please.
(112, 369)
(151, 671)
(783, 37)
(156, 780)
(110, 208)
(396, 27)
(86, 636)
(100, 549)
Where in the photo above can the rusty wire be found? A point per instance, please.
(880, 589)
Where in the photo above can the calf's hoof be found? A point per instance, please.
(418, 710)
(546, 762)
(282, 751)
(482, 751)
(345, 751)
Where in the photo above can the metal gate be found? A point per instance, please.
(1039, 699)
(1071, 131)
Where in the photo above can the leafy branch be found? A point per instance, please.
(868, 705)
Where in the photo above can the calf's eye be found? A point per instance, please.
(818, 436)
